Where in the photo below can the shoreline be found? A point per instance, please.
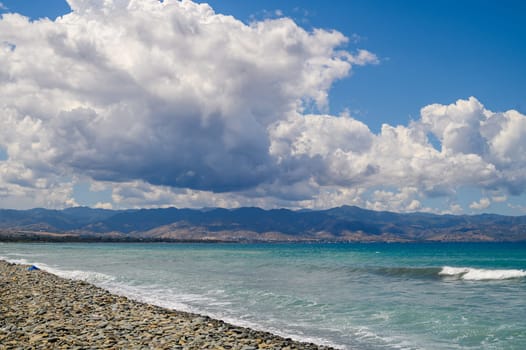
(41, 311)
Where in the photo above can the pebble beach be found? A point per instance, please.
(39, 310)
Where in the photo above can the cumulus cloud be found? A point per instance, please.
(169, 103)
(16, 196)
(496, 140)
(395, 201)
(483, 203)
(139, 194)
(170, 93)
(478, 148)
(103, 205)
(454, 209)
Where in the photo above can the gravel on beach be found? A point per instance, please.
(39, 310)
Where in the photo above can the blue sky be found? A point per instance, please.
(425, 54)
(430, 51)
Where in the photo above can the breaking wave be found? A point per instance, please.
(450, 273)
(96, 278)
(472, 274)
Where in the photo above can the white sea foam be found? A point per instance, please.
(15, 261)
(473, 274)
(323, 303)
(87, 276)
(166, 298)
(175, 300)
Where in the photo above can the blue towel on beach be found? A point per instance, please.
(32, 268)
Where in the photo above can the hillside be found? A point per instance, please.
(345, 223)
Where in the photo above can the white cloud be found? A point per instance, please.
(103, 205)
(520, 208)
(139, 194)
(402, 201)
(184, 100)
(344, 152)
(168, 103)
(499, 199)
(454, 209)
(483, 203)
(363, 57)
(96, 186)
(45, 195)
(497, 140)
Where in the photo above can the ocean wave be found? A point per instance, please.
(408, 272)
(14, 260)
(209, 306)
(473, 274)
(171, 299)
(451, 273)
(86, 276)
(96, 278)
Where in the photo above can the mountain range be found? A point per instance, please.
(346, 223)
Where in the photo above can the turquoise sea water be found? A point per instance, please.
(353, 296)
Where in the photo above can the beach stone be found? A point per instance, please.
(39, 310)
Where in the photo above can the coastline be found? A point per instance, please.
(41, 311)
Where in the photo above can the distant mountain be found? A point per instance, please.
(346, 223)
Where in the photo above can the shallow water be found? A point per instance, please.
(354, 296)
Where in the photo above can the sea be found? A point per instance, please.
(349, 296)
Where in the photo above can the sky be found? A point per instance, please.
(388, 105)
